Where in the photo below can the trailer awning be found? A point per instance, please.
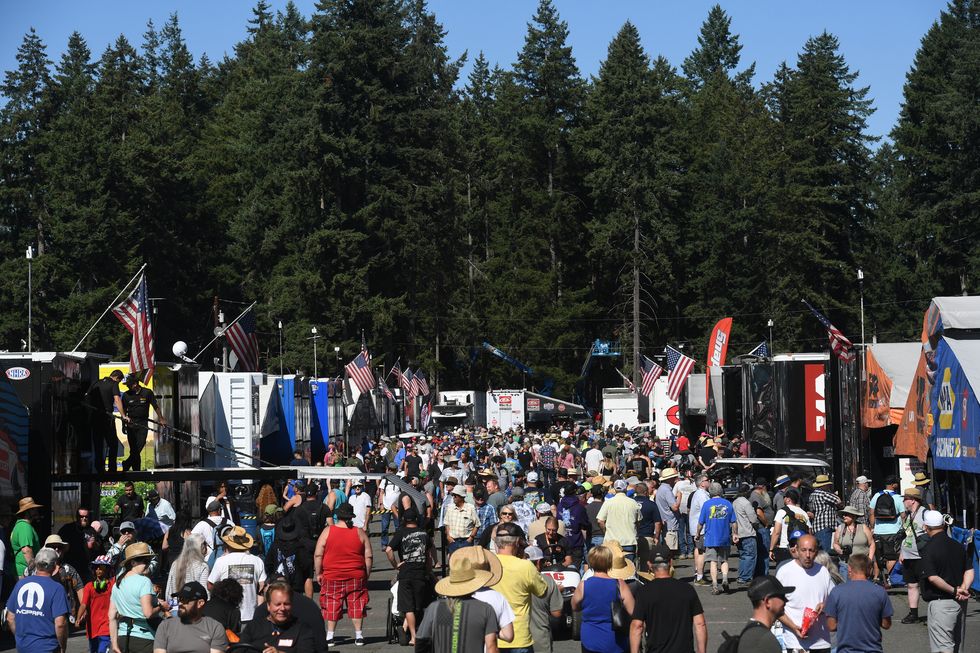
(541, 408)
(947, 313)
(898, 360)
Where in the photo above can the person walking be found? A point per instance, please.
(747, 525)
(669, 504)
(38, 610)
(133, 603)
(768, 597)
(924, 483)
(543, 608)
(416, 552)
(698, 498)
(947, 572)
(823, 506)
(618, 517)
(649, 529)
(137, 401)
(24, 540)
(94, 613)
(240, 564)
(852, 537)
(667, 611)
(913, 535)
(788, 520)
(719, 525)
(191, 631)
(593, 598)
(461, 521)
(189, 565)
(861, 497)
(858, 609)
(762, 502)
(885, 507)
(804, 622)
(519, 581)
(459, 622)
(344, 579)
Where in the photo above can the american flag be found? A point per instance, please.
(134, 313)
(241, 336)
(679, 367)
(629, 384)
(396, 369)
(420, 384)
(762, 350)
(359, 370)
(651, 372)
(408, 382)
(385, 389)
(839, 343)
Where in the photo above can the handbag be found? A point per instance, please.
(621, 618)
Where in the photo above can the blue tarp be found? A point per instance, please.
(955, 433)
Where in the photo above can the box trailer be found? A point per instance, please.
(619, 406)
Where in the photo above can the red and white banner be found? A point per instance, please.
(717, 350)
(816, 402)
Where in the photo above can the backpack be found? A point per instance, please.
(730, 643)
(885, 510)
(795, 523)
(217, 544)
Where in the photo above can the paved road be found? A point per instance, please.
(723, 613)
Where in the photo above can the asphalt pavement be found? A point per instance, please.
(723, 613)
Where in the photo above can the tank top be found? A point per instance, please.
(597, 633)
(341, 500)
(858, 540)
(346, 553)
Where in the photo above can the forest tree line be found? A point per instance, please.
(336, 169)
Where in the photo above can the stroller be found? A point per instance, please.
(395, 629)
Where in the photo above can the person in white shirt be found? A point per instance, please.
(160, 509)
(239, 564)
(205, 527)
(360, 501)
(782, 525)
(593, 458)
(812, 585)
(698, 498)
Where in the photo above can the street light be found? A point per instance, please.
(280, 348)
(336, 350)
(30, 257)
(770, 325)
(861, 287)
(314, 338)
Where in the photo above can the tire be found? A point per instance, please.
(577, 625)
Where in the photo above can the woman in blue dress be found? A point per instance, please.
(595, 595)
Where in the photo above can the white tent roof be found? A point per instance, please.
(959, 312)
(899, 360)
(967, 352)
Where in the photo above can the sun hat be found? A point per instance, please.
(599, 480)
(138, 550)
(668, 474)
(913, 493)
(933, 519)
(459, 491)
(764, 587)
(452, 480)
(238, 538)
(26, 504)
(821, 480)
(483, 560)
(781, 480)
(921, 479)
(622, 568)
(852, 511)
(55, 540)
(463, 579)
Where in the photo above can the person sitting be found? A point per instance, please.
(554, 546)
(280, 630)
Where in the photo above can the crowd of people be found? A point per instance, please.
(478, 526)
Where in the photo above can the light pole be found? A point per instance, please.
(861, 288)
(314, 338)
(280, 348)
(770, 325)
(30, 307)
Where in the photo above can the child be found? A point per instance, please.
(94, 613)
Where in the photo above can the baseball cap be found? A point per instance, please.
(213, 506)
(620, 485)
(632, 480)
(191, 592)
(765, 586)
(544, 506)
(127, 526)
(532, 477)
(862, 479)
(533, 553)
(933, 519)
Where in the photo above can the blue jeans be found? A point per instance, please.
(548, 478)
(457, 544)
(762, 552)
(630, 552)
(748, 551)
(523, 649)
(684, 544)
(387, 518)
(825, 538)
(99, 644)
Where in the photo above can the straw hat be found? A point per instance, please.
(464, 578)
(482, 560)
(138, 550)
(668, 474)
(622, 568)
(913, 493)
(599, 480)
(55, 540)
(821, 480)
(921, 479)
(237, 538)
(26, 504)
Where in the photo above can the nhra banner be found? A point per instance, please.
(717, 350)
(955, 410)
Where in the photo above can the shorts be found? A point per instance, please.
(944, 616)
(100, 644)
(888, 546)
(717, 553)
(334, 593)
(910, 570)
(414, 595)
(670, 539)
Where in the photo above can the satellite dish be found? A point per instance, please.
(180, 349)
(218, 331)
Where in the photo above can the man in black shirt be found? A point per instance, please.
(137, 400)
(768, 598)
(129, 506)
(412, 463)
(669, 611)
(947, 572)
(101, 398)
(415, 549)
(305, 610)
(280, 629)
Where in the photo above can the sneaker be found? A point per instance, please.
(702, 581)
(715, 590)
(724, 587)
(359, 641)
(910, 619)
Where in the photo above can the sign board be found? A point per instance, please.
(816, 402)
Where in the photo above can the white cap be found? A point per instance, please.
(543, 507)
(933, 519)
(532, 477)
(533, 553)
(862, 479)
(620, 485)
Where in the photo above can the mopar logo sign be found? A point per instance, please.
(30, 600)
(18, 373)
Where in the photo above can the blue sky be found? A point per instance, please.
(878, 38)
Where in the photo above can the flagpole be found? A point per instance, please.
(109, 308)
(224, 330)
(392, 368)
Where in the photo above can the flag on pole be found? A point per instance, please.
(359, 370)
(420, 384)
(839, 343)
(651, 372)
(385, 389)
(761, 350)
(408, 382)
(629, 384)
(134, 313)
(244, 343)
(679, 368)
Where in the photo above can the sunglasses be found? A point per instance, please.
(506, 514)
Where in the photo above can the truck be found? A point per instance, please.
(619, 406)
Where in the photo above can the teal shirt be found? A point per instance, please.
(126, 596)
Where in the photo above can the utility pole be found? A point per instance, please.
(30, 293)
(636, 298)
(436, 384)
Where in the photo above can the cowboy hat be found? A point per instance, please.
(237, 538)
(921, 479)
(55, 540)
(599, 480)
(668, 474)
(483, 560)
(852, 511)
(821, 480)
(913, 493)
(26, 504)
(622, 568)
(138, 550)
(464, 578)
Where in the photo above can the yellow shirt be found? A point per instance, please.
(519, 581)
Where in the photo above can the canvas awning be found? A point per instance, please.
(955, 436)
(541, 408)
(898, 360)
(952, 313)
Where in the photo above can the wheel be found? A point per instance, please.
(390, 627)
(576, 625)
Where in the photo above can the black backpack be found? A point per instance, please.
(885, 508)
(794, 523)
(730, 643)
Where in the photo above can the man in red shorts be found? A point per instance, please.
(344, 579)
